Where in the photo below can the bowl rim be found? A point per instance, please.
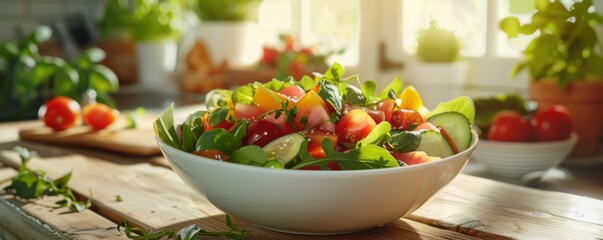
(290, 172)
(573, 138)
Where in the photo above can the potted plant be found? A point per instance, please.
(28, 79)
(228, 30)
(438, 69)
(154, 26)
(564, 63)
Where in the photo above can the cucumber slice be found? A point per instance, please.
(284, 148)
(456, 126)
(434, 144)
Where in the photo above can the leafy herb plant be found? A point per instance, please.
(28, 78)
(190, 232)
(567, 47)
(32, 184)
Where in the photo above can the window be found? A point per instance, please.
(466, 18)
(326, 25)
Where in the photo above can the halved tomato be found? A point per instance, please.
(99, 115)
(405, 119)
(213, 154)
(293, 92)
(353, 126)
(387, 107)
(248, 111)
(316, 136)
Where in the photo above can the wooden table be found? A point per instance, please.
(154, 197)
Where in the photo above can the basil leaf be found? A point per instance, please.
(239, 130)
(376, 136)
(218, 139)
(369, 88)
(192, 128)
(354, 96)
(404, 141)
(249, 155)
(217, 116)
(334, 73)
(329, 92)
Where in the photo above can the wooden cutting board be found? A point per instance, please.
(137, 141)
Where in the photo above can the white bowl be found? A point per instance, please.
(315, 202)
(515, 159)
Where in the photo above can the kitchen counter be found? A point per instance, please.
(154, 197)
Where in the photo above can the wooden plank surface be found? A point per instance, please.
(19, 217)
(488, 209)
(154, 197)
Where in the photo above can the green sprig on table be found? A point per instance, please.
(34, 184)
(189, 232)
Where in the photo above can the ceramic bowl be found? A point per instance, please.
(315, 202)
(515, 159)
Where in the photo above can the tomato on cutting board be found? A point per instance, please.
(99, 115)
(60, 113)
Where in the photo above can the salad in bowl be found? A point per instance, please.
(321, 155)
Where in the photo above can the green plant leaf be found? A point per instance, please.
(164, 128)
(329, 93)
(243, 94)
(511, 26)
(65, 83)
(354, 96)
(395, 85)
(376, 136)
(192, 128)
(249, 155)
(217, 116)
(103, 79)
(218, 139)
(404, 141)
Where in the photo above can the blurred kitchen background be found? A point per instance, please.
(375, 39)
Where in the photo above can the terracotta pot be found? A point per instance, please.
(584, 99)
(121, 58)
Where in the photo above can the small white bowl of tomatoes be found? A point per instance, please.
(518, 144)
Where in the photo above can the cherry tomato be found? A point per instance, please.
(405, 119)
(211, 153)
(387, 106)
(509, 126)
(247, 111)
(269, 56)
(354, 126)
(61, 113)
(293, 92)
(316, 136)
(99, 115)
(552, 124)
(224, 124)
(262, 132)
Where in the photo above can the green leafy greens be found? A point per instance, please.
(189, 232)
(31, 184)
